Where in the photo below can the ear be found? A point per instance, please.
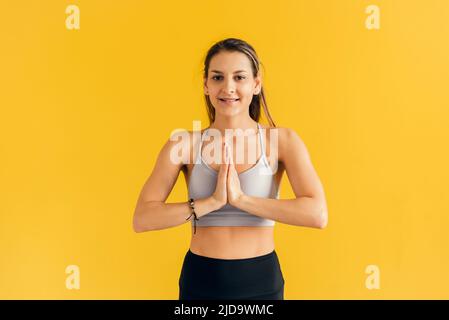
(206, 90)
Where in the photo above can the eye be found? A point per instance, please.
(239, 77)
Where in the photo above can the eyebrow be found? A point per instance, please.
(216, 71)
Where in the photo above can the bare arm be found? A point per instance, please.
(151, 212)
(156, 215)
(309, 208)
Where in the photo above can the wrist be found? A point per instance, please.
(238, 200)
(215, 204)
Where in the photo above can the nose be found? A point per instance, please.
(229, 86)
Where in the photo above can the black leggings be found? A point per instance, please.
(250, 278)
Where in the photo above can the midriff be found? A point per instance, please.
(225, 242)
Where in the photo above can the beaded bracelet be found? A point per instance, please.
(192, 207)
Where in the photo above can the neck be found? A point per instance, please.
(234, 123)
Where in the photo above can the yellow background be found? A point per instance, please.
(85, 112)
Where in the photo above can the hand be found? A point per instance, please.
(220, 194)
(234, 191)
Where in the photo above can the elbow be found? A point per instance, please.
(322, 224)
(137, 229)
(137, 225)
(321, 219)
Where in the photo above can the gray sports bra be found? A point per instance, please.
(257, 181)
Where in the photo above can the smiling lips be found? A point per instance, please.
(228, 100)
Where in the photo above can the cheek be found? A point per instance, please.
(247, 89)
(247, 94)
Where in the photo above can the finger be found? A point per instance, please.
(225, 152)
(227, 156)
(231, 161)
(224, 165)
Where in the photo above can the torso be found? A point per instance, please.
(230, 242)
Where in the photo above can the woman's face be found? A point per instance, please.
(230, 77)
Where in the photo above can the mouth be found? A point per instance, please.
(228, 100)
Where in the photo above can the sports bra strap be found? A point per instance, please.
(262, 143)
(198, 154)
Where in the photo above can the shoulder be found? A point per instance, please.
(183, 143)
(293, 148)
(289, 136)
(287, 140)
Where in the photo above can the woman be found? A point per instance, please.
(233, 204)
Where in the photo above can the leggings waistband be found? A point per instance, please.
(252, 259)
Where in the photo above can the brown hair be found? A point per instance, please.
(233, 44)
